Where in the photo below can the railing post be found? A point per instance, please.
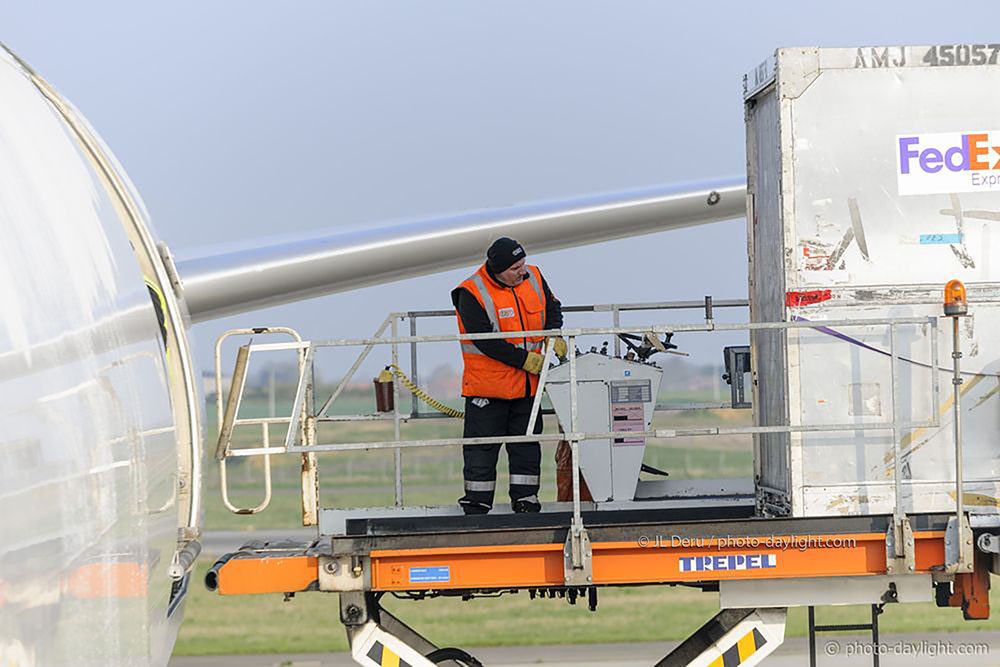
(415, 404)
(902, 557)
(935, 370)
(398, 453)
(574, 443)
(303, 409)
(963, 551)
(897, 510)
(956, 382)
(577, 555)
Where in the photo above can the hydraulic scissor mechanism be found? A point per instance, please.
(379, 639)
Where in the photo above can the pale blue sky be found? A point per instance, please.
(243, 120)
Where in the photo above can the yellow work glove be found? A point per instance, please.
(533, 364)
(559, 347)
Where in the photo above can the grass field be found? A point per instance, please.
(309, 622)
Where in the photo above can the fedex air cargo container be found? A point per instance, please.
(874, 179)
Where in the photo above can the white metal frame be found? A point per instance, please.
(576, 546)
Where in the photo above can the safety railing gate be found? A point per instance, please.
(300, 436)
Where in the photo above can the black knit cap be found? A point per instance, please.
(503, 254)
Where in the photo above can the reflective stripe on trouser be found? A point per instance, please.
(499, 417)
(524, 480)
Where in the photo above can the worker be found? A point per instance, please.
(501, 375)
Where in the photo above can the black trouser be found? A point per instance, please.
(494, 416)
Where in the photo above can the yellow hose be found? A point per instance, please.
(417, 391)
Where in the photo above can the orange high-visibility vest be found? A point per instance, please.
(520, 308)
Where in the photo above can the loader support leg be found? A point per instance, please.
(741, 637)
(378, 638)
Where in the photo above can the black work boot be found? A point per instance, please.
(470, 507)
(529, 504)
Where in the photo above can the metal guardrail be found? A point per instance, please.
(227, 418)
(300, 435)
(616, 309)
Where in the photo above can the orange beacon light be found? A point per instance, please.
(954, 298)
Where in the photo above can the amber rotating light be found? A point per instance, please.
(956, 306)
(955, 302)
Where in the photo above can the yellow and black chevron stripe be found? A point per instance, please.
(739, 652)
(385, 657)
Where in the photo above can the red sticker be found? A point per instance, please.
(807, 298)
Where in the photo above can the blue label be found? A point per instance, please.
(427, 575)
(629, 374)
(935, 239)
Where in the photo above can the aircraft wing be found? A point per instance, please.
(245, 280)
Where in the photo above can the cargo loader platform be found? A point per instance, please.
(526, 551)
(879, 539)
(760, 567)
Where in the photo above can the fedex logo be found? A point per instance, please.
(948, 162)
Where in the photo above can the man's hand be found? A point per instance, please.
(559, 347)
(533, 364)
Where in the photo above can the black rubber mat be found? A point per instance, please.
(552, 520)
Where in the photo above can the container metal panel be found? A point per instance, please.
(861, 238)
(767, 287)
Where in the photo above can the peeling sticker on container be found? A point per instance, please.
(935, 239)
(948, 162)
(815, 254)
(430, 575)
(793, 299)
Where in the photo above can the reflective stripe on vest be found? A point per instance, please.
(469, 347)
(488, 306)
(538, 288)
